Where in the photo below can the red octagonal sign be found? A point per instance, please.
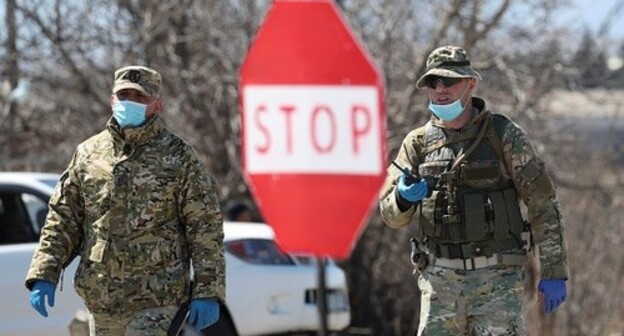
(313, 128)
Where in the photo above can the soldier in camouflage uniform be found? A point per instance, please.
(464, 174)
(137, 205)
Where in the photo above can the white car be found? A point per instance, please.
(268, 291)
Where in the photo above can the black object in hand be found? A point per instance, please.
(409, 177)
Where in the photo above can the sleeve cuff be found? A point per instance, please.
(402, 203)
(209, 287)
(392, 215)
(555, 272)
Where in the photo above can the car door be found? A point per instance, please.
(22, 214)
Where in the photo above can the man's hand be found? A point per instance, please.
(40, 290)
(554, 291)
(410, 190)
(203, 313)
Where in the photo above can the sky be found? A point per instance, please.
(593, 14)
(578, 15)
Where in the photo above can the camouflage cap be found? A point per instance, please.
(138, 77)
(448, 61)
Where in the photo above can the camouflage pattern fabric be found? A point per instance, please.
(481, 302)
(136, 205)
(534, 188)
(146, 322)
(138, 77)
(448, 61)
(527, 172)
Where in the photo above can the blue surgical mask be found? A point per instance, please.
(448, 112)
(129, 113)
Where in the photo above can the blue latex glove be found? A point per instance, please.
(410, 191)
(554, 291)
(203, 313)
(40, 290)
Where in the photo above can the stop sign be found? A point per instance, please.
(313, 128)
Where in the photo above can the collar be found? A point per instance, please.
(479, 113)
(136, 135)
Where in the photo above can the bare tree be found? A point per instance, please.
(12, 73)
(68, 49)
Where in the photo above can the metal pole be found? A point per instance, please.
(321, 296)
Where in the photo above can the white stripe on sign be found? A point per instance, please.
(324, 129)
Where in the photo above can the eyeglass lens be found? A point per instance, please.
(433, 81)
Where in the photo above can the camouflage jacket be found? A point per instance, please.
(137, 206)
(522, 166)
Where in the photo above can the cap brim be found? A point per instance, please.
(450, 73)
(130, 85)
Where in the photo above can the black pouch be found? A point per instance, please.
(481, 174)
(431, 211)
(433, 169)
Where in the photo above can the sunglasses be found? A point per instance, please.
(433, 81)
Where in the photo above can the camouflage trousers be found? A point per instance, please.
(486, 301)
(147, 322)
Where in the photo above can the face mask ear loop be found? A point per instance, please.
(150, 104)
(153, 101)
(462, 96)
(458, 99)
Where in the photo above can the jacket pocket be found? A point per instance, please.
(91, 284)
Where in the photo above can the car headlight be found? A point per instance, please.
(258, 251)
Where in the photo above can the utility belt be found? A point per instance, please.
(471, 264)
(467, 256)
(475, 249)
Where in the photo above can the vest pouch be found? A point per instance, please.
(484, 174)
(474, 211)
(506, 213)
(432, 171)
(431, 214)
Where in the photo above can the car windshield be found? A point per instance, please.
(258, 251)
(49, 181)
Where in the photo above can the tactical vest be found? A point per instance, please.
(473, 209)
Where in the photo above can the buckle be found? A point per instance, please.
(450, 219)
(472, 264)
(468, 264)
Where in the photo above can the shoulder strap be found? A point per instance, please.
(470, 134)
(484, 126)
(477, 133)
(499, 122)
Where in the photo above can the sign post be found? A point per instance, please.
(313, 128)
(321, 295)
